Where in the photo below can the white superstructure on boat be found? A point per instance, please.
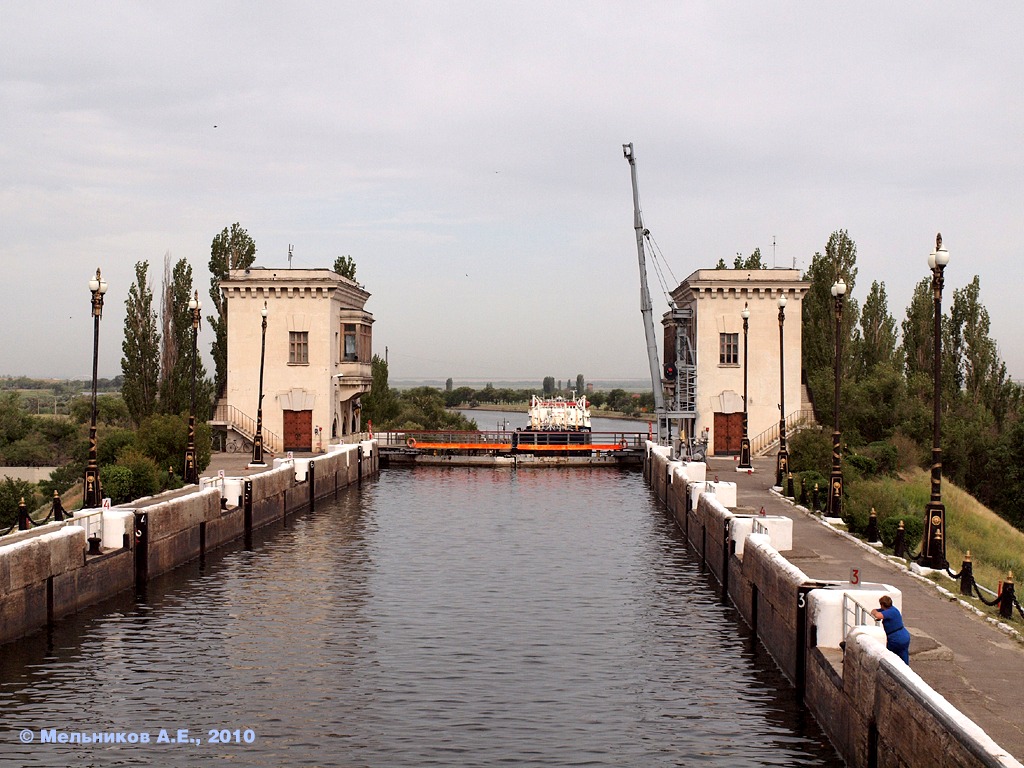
(559, 414)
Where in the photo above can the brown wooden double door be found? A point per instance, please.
(728, 433)
(298, 430)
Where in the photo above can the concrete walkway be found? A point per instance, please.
(970, 661)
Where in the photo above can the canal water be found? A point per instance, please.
(436, 616)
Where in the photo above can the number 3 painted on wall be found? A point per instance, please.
(855, 575)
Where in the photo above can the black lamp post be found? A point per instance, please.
(782, 463)
(257, 441)
(835, 484)
(93, 492)
(745, 441)
(191, 473)
(933, 548)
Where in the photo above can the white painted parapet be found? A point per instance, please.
(230, 488)
(831, 610)
(724, 493)
(693, 471)
(116, 523)
(778, 528)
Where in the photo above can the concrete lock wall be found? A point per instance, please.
(46, 573)
(874, 709)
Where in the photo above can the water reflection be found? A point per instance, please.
(439, 616)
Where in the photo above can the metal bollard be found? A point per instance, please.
(873, 526)
(789, 484)
(899, 546)
(1006, 598)
(816, 509)
(803, 492)
(56, 508)
(23, 521)
(967, 575)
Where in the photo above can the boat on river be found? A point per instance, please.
(559, 433)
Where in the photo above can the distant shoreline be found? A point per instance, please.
(524, 408)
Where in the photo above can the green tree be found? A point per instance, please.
(448, 385)
(979, 372)
(878, 331)
(917, 327)
(580, 384)
(176, 386)
(549, 385)
(380, 404)
(721, 264)
(15, 423)
(140, 365)
(345, 266)
(819, 323)
(753, 261)
(231, 249)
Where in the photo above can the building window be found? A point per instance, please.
(728, 349)
(298, 347)
(348, 353)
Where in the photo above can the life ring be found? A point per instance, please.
(411, 442)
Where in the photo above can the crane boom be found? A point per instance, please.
(646, 308)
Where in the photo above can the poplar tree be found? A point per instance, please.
(140, 365)
(231, 249)
(176, 387)
(878, 330)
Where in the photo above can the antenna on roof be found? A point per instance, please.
(289, 255)
(773, 252)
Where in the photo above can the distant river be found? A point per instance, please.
(514, 420)
(437, 617)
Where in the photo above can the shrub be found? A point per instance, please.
(116, 482)
(810, 450)
(146, 478)
(863, 465)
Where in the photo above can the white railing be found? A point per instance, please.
(855, 615)
(91, 520)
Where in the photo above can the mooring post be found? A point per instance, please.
(1006, 598)
(56, 508)
(23, 521)
(873, 527)
(899, 546)
(967, 575)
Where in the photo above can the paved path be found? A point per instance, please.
(971, 662)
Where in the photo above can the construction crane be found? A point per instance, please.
(680, 373)
(646, 307)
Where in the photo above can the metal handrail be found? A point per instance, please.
(91, 520)
(855, 615)
(245, 425)
(796, 421)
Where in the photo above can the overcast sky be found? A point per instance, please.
(468, 157)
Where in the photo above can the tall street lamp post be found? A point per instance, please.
(745, 441)
(835, 484)
(782, 463)
(257, 441)
(933, 548)
(93, 492)
(191, 473)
